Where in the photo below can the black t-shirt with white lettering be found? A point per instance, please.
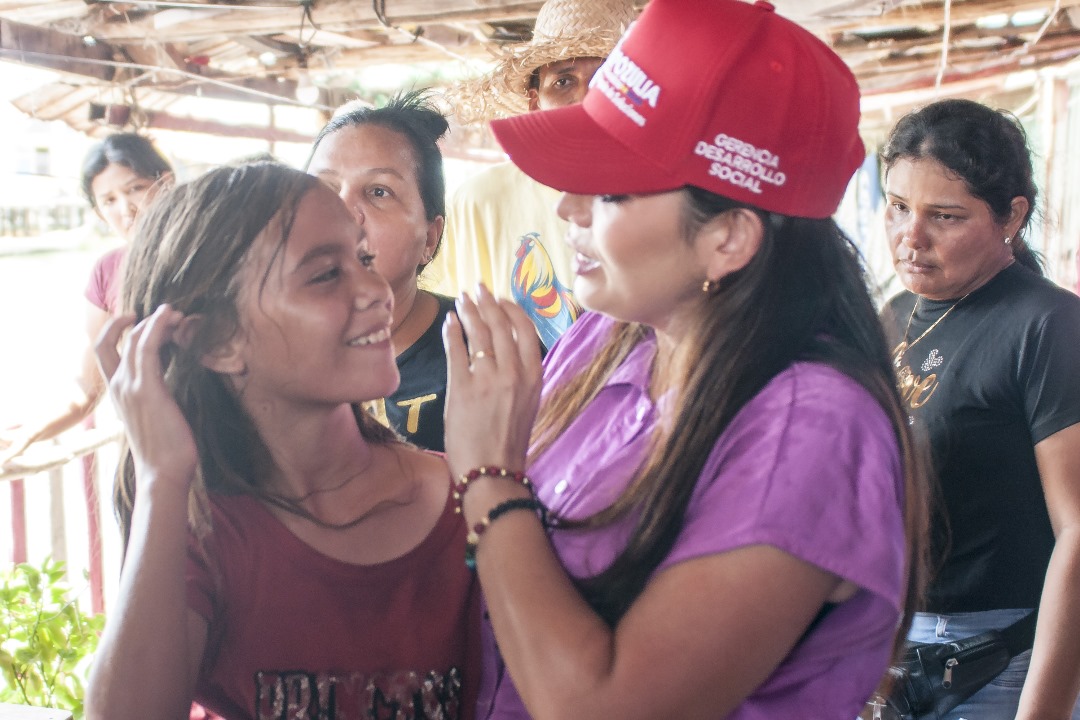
(989, 382)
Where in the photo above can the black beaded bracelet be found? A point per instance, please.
(473, 538)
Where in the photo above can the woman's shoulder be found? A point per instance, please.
(429, 465)
(899, 304)
(816, 408)
(111, 258)
(810, 465)
(816, 383)
(444, 307)
(813, 405)
(427, 350)
(584, 337)
(235, 524)
(446, 304)
(106, 268)
(1021, 300)
(103, 285)
(576, 347)
(232, 511)
(1018, 277)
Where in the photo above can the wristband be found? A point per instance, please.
(462, 483)
(473, 537)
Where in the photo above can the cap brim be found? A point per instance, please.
(567, 150)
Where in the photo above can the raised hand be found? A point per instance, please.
(493, 383)
(161, 440)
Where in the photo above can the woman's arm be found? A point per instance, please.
(150, 652)
(1053, 681)
(701, 637)
(87, 390)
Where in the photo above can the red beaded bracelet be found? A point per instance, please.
(473, 538)
(462, 483)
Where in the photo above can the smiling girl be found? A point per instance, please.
(316, 573)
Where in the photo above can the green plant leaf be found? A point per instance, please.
(46, 643)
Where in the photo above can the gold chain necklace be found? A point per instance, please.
(904, 346)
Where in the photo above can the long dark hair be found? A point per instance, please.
(189, 251)
(803, 297)
(131, 150)
(986, 148)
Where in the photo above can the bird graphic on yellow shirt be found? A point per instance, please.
(535, 287)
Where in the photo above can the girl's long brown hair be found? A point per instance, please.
(803, 297)
(189, 250)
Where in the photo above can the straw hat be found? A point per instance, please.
(564, 29)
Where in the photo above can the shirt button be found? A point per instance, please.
(560, 488)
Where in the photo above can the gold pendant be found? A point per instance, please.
(898, 353)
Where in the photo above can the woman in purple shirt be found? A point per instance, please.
(723, 508)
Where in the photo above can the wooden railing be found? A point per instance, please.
(57, 464)
(24, 712)
(33, 221)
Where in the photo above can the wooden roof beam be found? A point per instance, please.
(966, 34)
(933, 14)
(266, 91)
(341, 16)
(162, 54)
(167, 121)
(32, 45)
(914, 77)
(103, 62)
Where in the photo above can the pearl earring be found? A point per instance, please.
(1008, 240)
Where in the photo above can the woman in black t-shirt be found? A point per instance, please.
(386, 165)
(985, 349)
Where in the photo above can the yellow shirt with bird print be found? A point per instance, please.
(502, 230)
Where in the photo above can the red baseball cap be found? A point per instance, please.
(720, 94)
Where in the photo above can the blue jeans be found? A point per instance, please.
(999, 699)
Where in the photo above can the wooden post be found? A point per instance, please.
(94, 560)
(57, 519)
(18, 521)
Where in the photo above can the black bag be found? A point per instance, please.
(933, 678)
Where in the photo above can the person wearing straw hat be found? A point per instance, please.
(707, 501)
(501, 227)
